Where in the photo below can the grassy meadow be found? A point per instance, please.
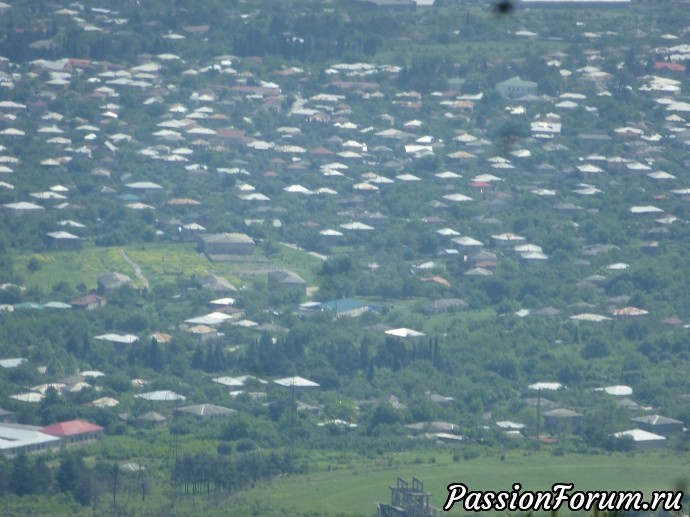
(160, 263)
(355, 490)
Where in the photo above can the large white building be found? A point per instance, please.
(16, 438)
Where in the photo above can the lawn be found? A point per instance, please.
(160, 263)
(355, 491)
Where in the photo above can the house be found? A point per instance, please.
(150, 419)
(88, 302)
(202, 332)
(113, 280)
(63, 240)
(516, 87)
(205, 412)
(74, 432)
(345, 307)
(433, 427)
(297, 382)
(444, 305)
(287, 281)
(643, 440)
(22, 207)
(562, 419)
(161, 396)
(218, 246)
(658, 424)
(145, 187)
(398, 5)
(215, 283)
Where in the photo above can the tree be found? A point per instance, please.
(69, 472)
(21, 482)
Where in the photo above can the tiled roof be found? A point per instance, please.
(71, 428)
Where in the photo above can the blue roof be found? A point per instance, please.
(28, 305)
(128, 197)
(345, 304)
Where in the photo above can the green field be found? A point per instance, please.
(160, 263)
(355, 491)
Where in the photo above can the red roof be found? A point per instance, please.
(71, 428)
(674, 67)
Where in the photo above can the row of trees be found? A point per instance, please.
(32, 476)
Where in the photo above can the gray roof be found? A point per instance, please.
(517, 81)
(230, 238)
(113, 280)
(562, 413)
(215, 283)
(201, 410)
(655, 420)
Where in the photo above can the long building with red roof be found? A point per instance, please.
(74, 432)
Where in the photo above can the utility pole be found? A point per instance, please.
(291, 428)
(538, 418)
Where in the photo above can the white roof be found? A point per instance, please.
(214, 318)
(62, 235)
(507, 424)
(298, 382)
(12, 363)
(647, 209)
(298, 189)
(356, 226)
(589, 317)
(231, 382)
(404, 332)
(551, 386)
(23, 205)
(118, 338)
(223, 301)
(661, 175)
(618, 391)
(13, 436)
(160, 395)
(457, 197)
(91, 373)
(408, 177)
(467, 241)
(446, 175)
(144, 185)
(28, 397)
(638, 435)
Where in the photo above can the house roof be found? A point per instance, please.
(201, 410)
(343, 305)
(87, 300)
(298, 382)
(562, 413)
(71, 428)
(655, 420)
(161, 395)
(118, 338)
(14, 436)
(517, 81)
(404, 332)
(618, 391)
(638, 435)
(228, 238)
